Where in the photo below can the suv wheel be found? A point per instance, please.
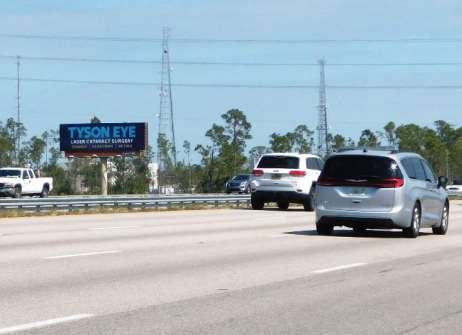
(256, 203)
(308, 203)
(413, 230)
(443, 228)
(324, 229)
(283, 205)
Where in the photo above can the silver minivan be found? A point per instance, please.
(364, 189)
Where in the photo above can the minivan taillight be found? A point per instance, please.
(297, 173)
(379, 183)
(257, 173)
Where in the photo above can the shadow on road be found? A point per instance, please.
(273, 209)
(350, 233)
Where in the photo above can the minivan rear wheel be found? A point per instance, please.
(324, 229)
(308, 203)
(256, 203)
(413, 230)
(443, 228)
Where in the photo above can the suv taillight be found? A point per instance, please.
(297, 173)
(257, 173)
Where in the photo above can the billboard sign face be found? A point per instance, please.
(103, 139)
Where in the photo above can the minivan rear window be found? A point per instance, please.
(361, 168)
(279, 162)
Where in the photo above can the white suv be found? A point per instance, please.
(284, 178)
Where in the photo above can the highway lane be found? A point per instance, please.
(224, 271)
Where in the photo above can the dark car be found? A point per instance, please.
(239, 183)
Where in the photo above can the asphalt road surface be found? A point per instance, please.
(225, 272)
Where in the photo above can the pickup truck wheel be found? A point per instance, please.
(45, 192)
(17, 192)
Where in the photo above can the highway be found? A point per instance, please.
(225, 271)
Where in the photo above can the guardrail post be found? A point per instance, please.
(216, 203)
(37, 208)
(69, 208)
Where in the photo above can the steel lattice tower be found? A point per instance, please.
(166, 126)
(323, 130)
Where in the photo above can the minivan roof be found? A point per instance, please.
(380, 153)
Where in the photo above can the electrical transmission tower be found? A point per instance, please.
(323, 130)
(166, 128)
(18, 106)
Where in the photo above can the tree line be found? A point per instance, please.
(223, 154)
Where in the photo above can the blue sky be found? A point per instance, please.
(46, 105)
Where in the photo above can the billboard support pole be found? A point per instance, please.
(103, 175)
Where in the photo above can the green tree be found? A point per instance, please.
(338, 142)
(368, 139)
(238, 129)
(390, 133)
(35, 149)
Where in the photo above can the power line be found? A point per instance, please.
(212, 40)
(145, 61)
(220, 85)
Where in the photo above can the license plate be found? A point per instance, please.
(276, 176)
(358, 191)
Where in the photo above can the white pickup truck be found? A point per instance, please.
(15, 182)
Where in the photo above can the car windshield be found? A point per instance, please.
(10, 173)
(279, 162)
(241, 177)
(361, 168)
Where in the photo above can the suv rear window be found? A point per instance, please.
(361, 168)
(279, 162)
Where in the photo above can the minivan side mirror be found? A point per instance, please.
(442, 181)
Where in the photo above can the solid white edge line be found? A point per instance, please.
(341, 267)
(85, 254)
(118, 227)
(44, 323)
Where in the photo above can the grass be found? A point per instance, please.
(14, 213)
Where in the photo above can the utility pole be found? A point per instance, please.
(323, 129)
(18, 116)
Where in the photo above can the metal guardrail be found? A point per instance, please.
(69, 204)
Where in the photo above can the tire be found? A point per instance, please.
(359, 230)
(17, 192)
(256, 203)
(443, 228)
(324, 229)
(45, 192)
(308, 203)
(283, 205)
(413, 230)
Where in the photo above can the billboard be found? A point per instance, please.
(103, 139)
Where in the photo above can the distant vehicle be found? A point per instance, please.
(15, 182)
(455, 189)
(239, 183)
(285, 178)
(381, 189)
